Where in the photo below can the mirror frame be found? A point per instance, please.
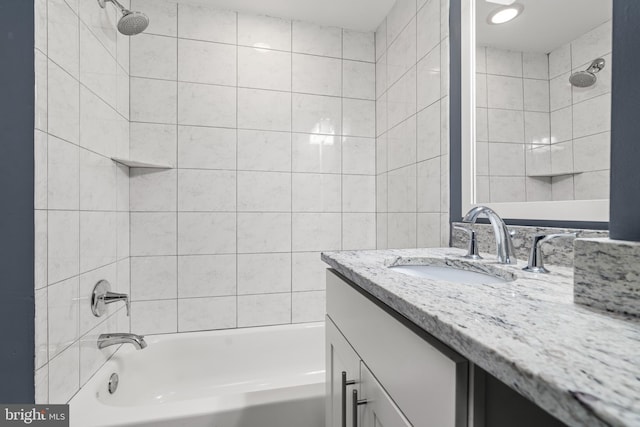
(556, 211)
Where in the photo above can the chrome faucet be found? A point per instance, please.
(505, 250)
(106, 340)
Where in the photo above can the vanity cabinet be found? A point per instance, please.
(401, 375)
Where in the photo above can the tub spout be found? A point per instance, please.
(106, 340)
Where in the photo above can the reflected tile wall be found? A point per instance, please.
(525, 102)
(82, 197)
(271, 125)
(412, 119)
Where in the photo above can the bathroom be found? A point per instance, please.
(195, 189)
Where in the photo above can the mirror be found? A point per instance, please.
(538, 129)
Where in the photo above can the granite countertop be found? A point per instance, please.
(581, 365)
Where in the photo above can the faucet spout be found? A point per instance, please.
(504, 245)
(106, 340)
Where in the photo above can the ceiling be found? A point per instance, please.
(362, 15)
(543, 25)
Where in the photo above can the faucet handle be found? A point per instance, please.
(472, 249)
(536, 257)
(102, 295)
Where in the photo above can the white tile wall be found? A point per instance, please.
(82, 197)
(271, 126)
(412, 129)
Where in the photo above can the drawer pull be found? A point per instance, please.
(355, 402)
(345, 383)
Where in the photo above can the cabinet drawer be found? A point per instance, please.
(419, 378)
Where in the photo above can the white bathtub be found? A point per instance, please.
(258, 377)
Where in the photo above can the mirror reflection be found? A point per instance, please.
(543, 100)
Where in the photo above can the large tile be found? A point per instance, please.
(154, 317)
(154, 278)
(206, 233)
(401, 55)
(206, 105)
(537, 128)
(202, 22)
(153, 190)
(507, 189)
(316, 114)
(163, 16)
(63, 174)
(206, 148)
(560, 61)
(562, 158)
(97, 182)
(264, 32)
(206, 275)
(264, 273)
(153, 233)
(402, 99)
(264, 191)
(264, 110)
(592, 116)
(536, 95)
(264, 69)
(402, 229)
(591, 45)
(358, 45)
(316, 75)
(155, 56)
(381, 76)
(202, 314)
(381, 39)
(98, 243)
(41, 385)
(317, 192)
(592, 185)
(203, 62)
(308, 306)
(358, 231)
(206, 190)
(264, 150)
(153, 143)
(123, 94)
(401, 141)
(316, 232)
(504, 92)
(63, 245)
(153, 101)
(64, 375)
(316, 153)
(506, 126)
(592, 153)
(101, 22)
(428, 230)
(41, 335)
(359, 155)
(316, 39)
(538, 189)
(102, 129)
(428, 132)
(506, 159)
(428, 84)
(40, 27)
(308, 271)
(63, 40)
(535, 66)
(123, 231)
(261, 310)
(264, 232)
(428, 186)
(64, 104)
(63, 315)
(561, 125)
(560, 89)
(402, 189)
(41, 91)
(428, 23)
(40, 248)
(358, 193)
(358, 117)
(398, 17)
(504, 62)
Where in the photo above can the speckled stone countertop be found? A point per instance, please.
(578, 364)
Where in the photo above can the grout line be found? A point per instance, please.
(237, 266)
(177, 169)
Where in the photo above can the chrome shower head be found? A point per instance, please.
(131, 22)
(587, 77)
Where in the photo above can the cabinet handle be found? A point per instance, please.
(345, 383)
(354, 409)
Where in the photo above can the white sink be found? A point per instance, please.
(450, 274)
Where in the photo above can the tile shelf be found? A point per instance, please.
(552, 175)
(139, 164)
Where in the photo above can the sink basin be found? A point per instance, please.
(450, 274)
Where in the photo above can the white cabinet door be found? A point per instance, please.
(376, 408)
(343, 375)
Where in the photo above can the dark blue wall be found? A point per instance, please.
(16, 193)
(625, 122)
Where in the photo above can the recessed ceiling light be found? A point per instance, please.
(505, 14)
